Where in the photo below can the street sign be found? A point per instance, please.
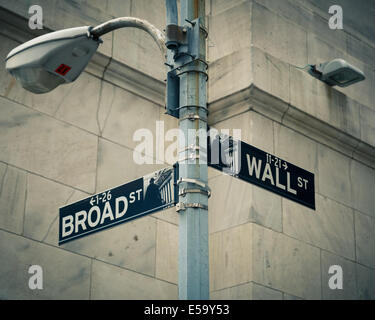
(264, 170)
(146, 195)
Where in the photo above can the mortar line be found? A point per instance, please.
(86, 256)
(25, 204)
(321, 274)
(90, 286)
(293, 238)
(56, 217)
(3, 178)
(355, 236)
(156, 244)
(44, 177)
(97, 166)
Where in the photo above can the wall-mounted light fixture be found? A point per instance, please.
(337, 72)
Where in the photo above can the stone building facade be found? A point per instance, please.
(78, 140)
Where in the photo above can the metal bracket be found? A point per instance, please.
(193, 181)
(183, 206)
(191, 157)
(193, 23)
(194, 37)
(198, 183)
(178, 68)
(184, 192)
(192, 70)
(191, 147)
(173, 94)
(193, 106)
(175, 36)
(192, 117)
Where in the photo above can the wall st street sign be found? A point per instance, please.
(265, 170)
(144, 196)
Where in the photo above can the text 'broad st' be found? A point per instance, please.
(133, 200)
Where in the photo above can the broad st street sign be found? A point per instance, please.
(264, 170)
(144, 196)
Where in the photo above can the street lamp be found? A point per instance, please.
(44, 63)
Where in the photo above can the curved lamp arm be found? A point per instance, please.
(124, 22)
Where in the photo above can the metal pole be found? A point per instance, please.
(193, 218)
(172, 12)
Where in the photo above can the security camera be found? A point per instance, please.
(44, 63)
(337, 73)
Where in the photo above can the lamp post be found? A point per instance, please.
(60, 57)
(187, 60)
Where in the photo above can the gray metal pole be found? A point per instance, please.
(193, 219)
(172, 12)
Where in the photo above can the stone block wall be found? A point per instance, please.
(61, 147)
(264, 246)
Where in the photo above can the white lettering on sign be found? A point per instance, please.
(81, 220)
(265, 173)
(120, 214)
(107, 213)
(302, 183)
(254, 166)
(94, 223)
(289, 189)
(67, 223)
(278, 184)
(101, 198)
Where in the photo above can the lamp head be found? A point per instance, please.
(337, 72)
(44, 63)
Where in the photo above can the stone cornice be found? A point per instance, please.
(253, 98)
